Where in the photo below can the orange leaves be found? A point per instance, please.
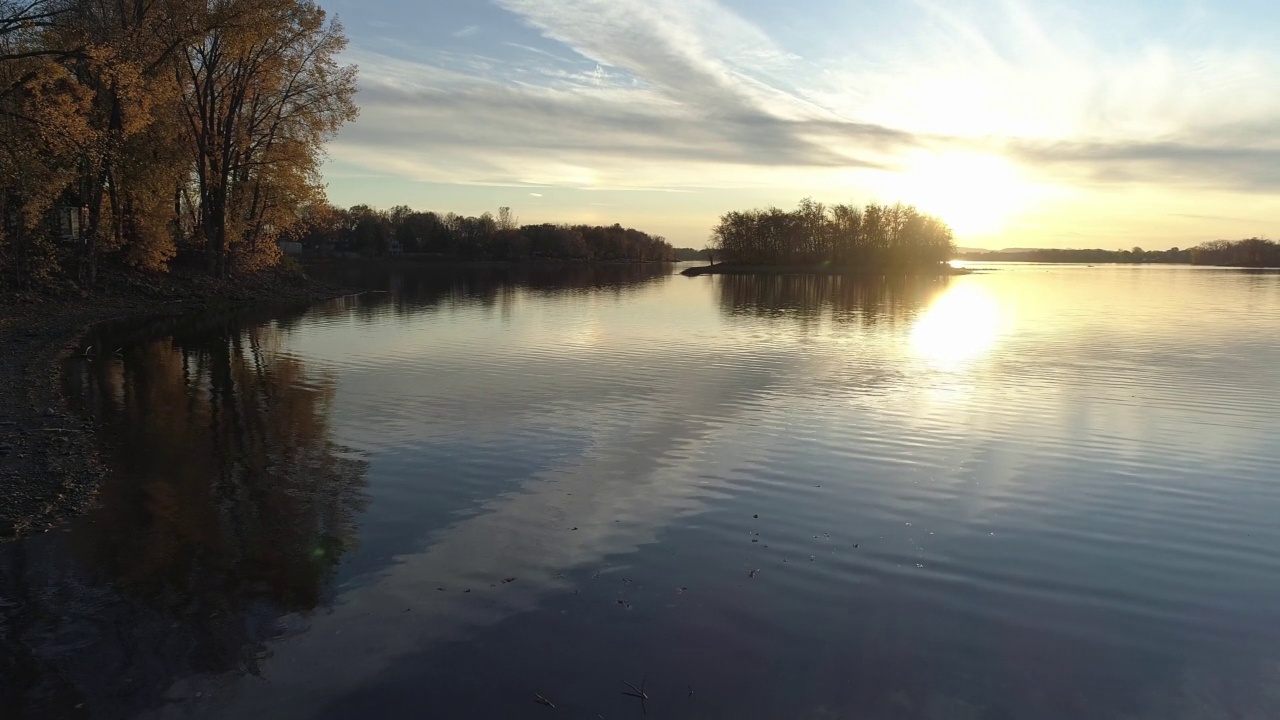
(171, 118)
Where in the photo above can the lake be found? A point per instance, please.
(1030, 492)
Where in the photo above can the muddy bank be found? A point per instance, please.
(49, 466)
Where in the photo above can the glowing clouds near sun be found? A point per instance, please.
(977, 194)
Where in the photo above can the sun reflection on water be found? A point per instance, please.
(962, 325)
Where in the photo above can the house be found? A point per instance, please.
(68, 222)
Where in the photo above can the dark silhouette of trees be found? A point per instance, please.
(1051, 255)
(1253, 252)
(872, 237)
(375, 233)
(687, 254)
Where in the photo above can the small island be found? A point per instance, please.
(875, 239)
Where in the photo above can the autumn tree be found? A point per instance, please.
(133, 157)
(159, 122)
(42, 109)
(41, 125)
(261, 94)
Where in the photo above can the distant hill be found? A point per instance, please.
(986, 251)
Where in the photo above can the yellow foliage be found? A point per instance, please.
(123, 108)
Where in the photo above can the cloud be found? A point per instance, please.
(686, 93)
(1227, 218)
(467, 31)
(592, 129)
(998, 68)
(617, 123)
(695, 51)
(1210, 166)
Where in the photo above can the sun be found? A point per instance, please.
(975, 193)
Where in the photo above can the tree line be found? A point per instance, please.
(688, 254)
(1095, 255)
(139, 130)
(875, 236)
(403, 230)
(1251, 252)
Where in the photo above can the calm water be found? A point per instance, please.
(1038, 492)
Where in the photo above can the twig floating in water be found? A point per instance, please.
(639, 691)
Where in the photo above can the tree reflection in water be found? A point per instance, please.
(228, 509)
(808, 299)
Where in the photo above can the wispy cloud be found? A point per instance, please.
(1228, 218)
(694, 51)
(690, 80)
(593, 130)
(1204, 165)
(688, 94)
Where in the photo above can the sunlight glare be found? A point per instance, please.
(962, 325)
(976, 194)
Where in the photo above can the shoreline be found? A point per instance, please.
(49, 464)
(445, 263)
(736, 269)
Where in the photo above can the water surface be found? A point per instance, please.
(1036, 492)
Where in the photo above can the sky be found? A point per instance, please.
(1089, 123)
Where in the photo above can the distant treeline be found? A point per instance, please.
(1136, 255)
(403, 230)
(1253, 252)
(872, 237)
(687, 254)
